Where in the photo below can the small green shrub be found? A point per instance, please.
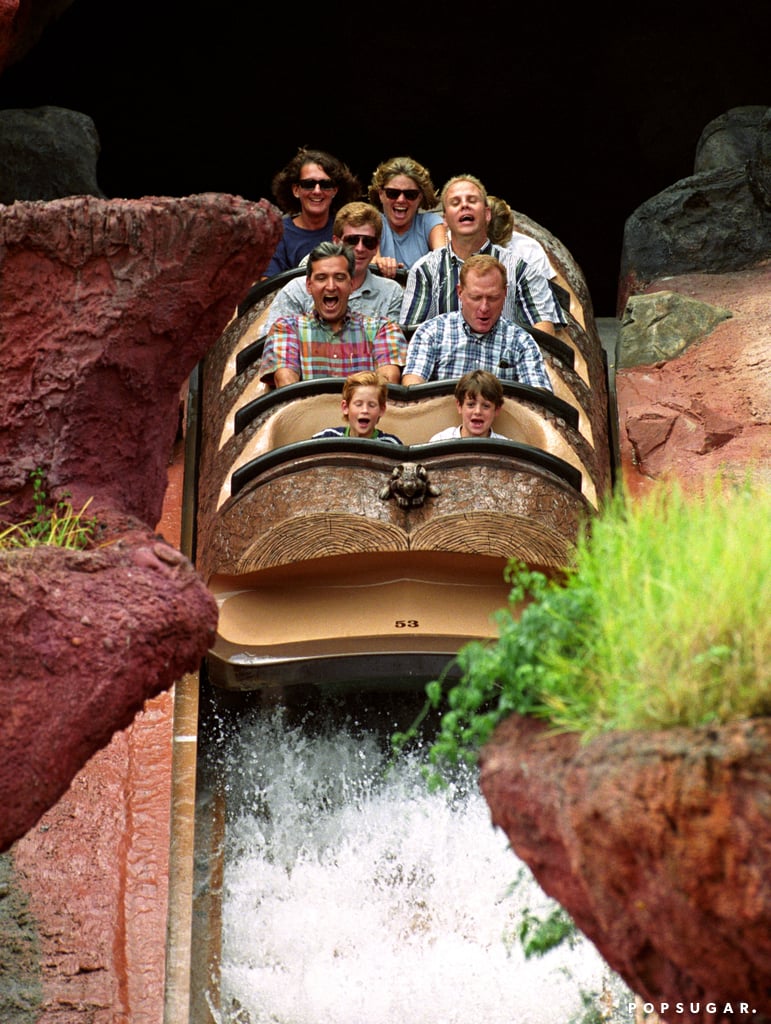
(539, 936)
(661, 620)
(52, 523)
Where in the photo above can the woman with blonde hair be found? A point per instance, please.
(402, 189)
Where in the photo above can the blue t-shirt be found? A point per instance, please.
(409, 247)
(296, 243)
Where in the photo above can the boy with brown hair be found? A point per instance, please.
(479, 398)
(362, 405)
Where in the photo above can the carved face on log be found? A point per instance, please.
(409, 486)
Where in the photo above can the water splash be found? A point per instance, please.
(352, 895)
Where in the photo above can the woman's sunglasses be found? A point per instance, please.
(409, 193)
(308, 184)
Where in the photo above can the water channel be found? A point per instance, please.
(333, 887)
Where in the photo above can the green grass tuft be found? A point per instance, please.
(662, 621)
(52, 523)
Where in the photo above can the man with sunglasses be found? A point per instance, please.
(432, 283)
(332, 340)
(357, 225)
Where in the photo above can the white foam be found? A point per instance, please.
(355, 896)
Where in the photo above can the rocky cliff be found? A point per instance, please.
(658, 844)
(105, 308)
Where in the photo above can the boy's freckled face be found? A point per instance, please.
(477, 415)
(363, 411)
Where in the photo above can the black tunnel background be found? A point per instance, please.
(574, 118)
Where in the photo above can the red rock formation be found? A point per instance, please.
(86, 638)
(709, 409)
(657, 844)
(96, 867)
(21, 24)
(105, 307)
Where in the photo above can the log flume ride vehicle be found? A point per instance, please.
(348, 562)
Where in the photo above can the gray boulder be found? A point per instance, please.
(660, 326)
(729, 140)
(47, 153)
(716, 221)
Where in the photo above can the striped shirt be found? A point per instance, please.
(379, 435)
(445, 347)
(432, 288)
(306, 344)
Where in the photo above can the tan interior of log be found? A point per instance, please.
(301, 606)
(413, 424)
(254, 389)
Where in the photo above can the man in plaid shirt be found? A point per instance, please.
(332, 340)
(476, 337)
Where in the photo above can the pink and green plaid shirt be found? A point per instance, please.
(305, 344)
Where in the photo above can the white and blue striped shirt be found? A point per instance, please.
(432, 288)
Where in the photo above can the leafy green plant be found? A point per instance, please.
(660, 620)
(53, 523)
(539, 935)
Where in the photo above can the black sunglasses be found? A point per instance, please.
(368, 241)
(408, 193)
(308, 184)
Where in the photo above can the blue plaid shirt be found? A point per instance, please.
(432, 288)
(445, 347)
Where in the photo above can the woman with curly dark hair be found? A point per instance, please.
(309, 190)
(400, 187)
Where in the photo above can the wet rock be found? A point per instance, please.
(657, 844)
